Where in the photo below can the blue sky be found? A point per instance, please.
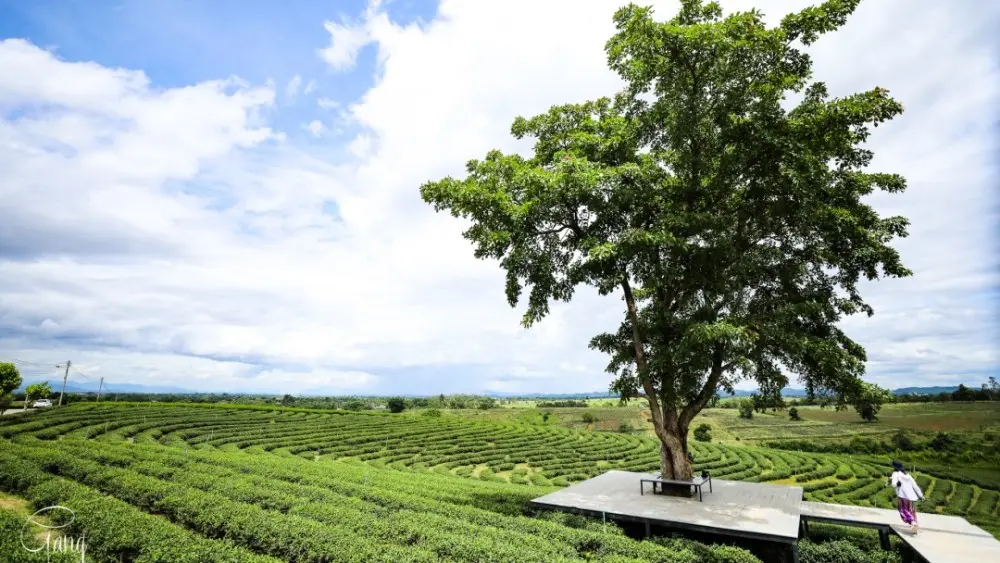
(182, 43)
(222, 195)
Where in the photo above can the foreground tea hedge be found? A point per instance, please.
(151, 503)
(489, 451)
(301, 485)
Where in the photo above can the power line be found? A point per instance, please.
(33, 369)
(29, 362)
(81, 374)
(36, 369)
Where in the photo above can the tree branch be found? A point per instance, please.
(640, 358)
(706, 393)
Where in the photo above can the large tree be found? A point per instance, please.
(731, 225)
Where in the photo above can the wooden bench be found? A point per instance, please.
(697, 483)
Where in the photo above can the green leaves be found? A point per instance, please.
(814, 21)
(868, 399)
(37, 391)
(10, 377)
(542, 217)
(734, 227)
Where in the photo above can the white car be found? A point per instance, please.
(41, 403)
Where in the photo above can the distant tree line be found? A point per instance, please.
(555, 404)
(867, 402)
(987, 392)
(350, 403)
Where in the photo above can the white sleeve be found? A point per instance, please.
(916, 487)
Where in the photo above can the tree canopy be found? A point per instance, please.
(36, 391)
(869, 400)
(10, 378)
(731, 224)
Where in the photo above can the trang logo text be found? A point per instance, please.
(36, 536)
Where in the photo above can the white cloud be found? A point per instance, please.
(346, 41)
(292, 89)
(327, 103)
(157, 229)
(315, 127)
(361, 146)
(310, 87)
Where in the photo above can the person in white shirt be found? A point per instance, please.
(907, 490)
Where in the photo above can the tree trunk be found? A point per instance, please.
(671, 429)
(674, 463)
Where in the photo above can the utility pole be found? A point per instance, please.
(99, 390)
(61, 393)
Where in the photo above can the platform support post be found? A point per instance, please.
(647, 530)
(883, 536)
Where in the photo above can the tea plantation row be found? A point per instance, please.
(297, 485)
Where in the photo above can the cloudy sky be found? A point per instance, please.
(224, 196)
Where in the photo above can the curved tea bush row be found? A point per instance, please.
(484, 451)
(304, 511)
(113, 529)
(12, 526)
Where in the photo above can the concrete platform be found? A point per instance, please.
(733, 508)
(942, 538)
(946, 546)
(766, 512)
(884, 517)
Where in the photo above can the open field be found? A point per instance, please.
(257, 484)
(604, 402)
(917, 416)
(602, 418)
(728, 428)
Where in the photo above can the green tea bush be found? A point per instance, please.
(703, 433)
(844, 472)
(842, 551)
(706, 553)
(302, 462)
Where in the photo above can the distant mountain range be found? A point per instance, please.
(926, 390)
(88, 387)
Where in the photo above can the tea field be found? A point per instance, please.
(208, 483)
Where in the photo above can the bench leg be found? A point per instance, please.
(700, 499)
(883, 536)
